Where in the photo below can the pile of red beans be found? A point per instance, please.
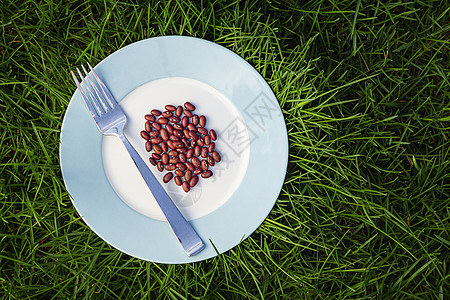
(181, 144)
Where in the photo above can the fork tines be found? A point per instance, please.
(99, 102)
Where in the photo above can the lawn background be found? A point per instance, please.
(364, 210)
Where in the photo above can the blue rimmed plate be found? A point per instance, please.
(106, 188)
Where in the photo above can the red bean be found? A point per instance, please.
(210, 160)
(155, 112)
(164, 134)
(167, 177)
(178, 133)
(157, 149)
(204, 152)
(187, 113)
(197, 171)
(202, 121)
(188, 175)
(195, 161)
(152, 161)
(200, 142)
(189, 166)
(185, 142)
(148, 146)
(193, 135)
(167, 114)
(207, 140)
(189, 106)
(211, 147)
(164, 147)
(174, 160)
(185, 186)
(182, 157)
(177, 126)
(174, 138)
(179, 173)
(174, 119)
(197, 150)
(173, 153)
(193, 181)
(165, 158)
(156, 125)
(195, 120)
(193, 143)
(181, 166)
(184, 121)
(159, 166)
(170, 107)
(153, 134)
(156, 140)
(156, 156)
(191, 127)
(178, 180)
(170, 167)
(207, 174)
(178, 144)
(150, 118)
(189, 153)
(186, 133)
(216, 156)
(179, 111)
(213, 134)
(205, 165)
(148, 126)
(170, 144)
(163, 120)
(145, 135)
(202, 130)
(181, 150)
(169, 128)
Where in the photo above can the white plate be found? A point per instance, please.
(107, 190)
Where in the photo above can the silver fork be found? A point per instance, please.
(111, 120)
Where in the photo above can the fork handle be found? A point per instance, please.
(189, 239)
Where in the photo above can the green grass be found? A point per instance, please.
(364, 211)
